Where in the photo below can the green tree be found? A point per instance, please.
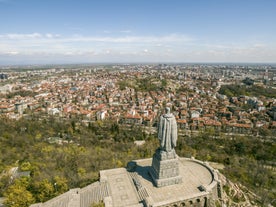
(60, 185)
(164, 83)
(44, 190)
(25, 166)
(4, 183)
(17, 195)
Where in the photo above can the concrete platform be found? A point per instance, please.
(197, 180)
(135, 187)
(121, 187)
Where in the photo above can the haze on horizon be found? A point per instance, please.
(71, 31)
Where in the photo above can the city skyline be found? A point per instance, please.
(59, 32)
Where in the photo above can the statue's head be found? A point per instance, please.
(167, 110)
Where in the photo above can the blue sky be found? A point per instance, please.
(97, 31)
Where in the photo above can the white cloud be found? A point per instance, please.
(28, 37)
(259, 45)
(49, 35)
(171, 47)
(164, 38)
(11, 53)
(23, 36)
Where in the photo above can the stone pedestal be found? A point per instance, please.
(165, 168)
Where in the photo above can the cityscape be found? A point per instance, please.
(149, 103)
(136, 94)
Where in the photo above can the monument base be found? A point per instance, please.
(165, 168)
(167, 181)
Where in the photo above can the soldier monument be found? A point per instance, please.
(165, 167)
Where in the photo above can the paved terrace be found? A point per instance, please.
(134, 188)
(194, 174)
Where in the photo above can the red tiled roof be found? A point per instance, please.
(182, 121)
(212, 123)
(130, 116)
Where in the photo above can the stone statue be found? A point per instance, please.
(167, 131)
(165, 164)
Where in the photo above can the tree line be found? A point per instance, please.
(245, 90)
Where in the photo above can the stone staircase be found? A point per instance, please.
(93, 193)
(79, 197)
(142, 192)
